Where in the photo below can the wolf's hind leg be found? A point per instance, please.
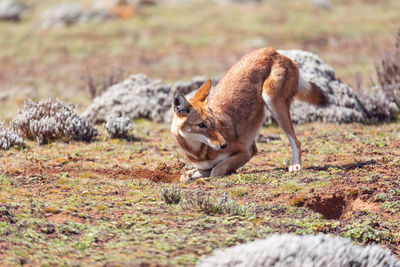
(280, 112)
(278, 92)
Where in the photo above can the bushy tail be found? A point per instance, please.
(311, 93)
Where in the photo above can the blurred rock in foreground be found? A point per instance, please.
(290, 250)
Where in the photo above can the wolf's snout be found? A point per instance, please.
(223, 146)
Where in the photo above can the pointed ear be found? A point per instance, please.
(181, 105)
(203, 92)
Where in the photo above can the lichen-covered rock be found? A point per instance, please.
(142, 97)
(9, 138)
(67, 14)
(72, 13)
(138, 97)
(11, 10)
(118, 127)
(46, 121)
(291, 250)
(345, 104)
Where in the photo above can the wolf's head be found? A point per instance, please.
(195, 121)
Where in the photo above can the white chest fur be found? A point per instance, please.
(209, 164)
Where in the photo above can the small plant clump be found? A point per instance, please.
(377, 105)
(9, 138)
(382, 101)
(118, 127)
(368, 231)
(98, 85)
(209, 205)
(388, 72)
(200, 200)
(46, 121)
(171, 195)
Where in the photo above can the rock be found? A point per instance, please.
(322, 4)
(345, 104)
(11, 10)
(142, 97)
(261, 138)
(72, 13)
(291, 250)
(136, 97)
(139, 97)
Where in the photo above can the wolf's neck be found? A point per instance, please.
(194, 149)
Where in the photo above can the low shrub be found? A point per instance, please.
(171, 195)
(46, 121)
(118, 127)
(210, 205)
(9, 138)
(388, 73)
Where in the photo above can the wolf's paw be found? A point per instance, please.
(218, 172)
(190, 176)
(295, 168)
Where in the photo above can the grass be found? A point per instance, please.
(119, 202)
(57, 206)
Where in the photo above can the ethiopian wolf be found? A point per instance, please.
(217, 131)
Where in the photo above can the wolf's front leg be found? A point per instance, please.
(194, 174)
(232, 163)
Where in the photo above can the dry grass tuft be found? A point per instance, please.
(388, 72)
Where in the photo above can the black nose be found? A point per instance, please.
(223, 146)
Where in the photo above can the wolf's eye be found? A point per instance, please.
(202, 125)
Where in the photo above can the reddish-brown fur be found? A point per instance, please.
(234, 112)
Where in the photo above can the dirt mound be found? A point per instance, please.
(156, 176)
(338, 204)
(140, 173)
(62, 218)
(331, 206)
(166, 176)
